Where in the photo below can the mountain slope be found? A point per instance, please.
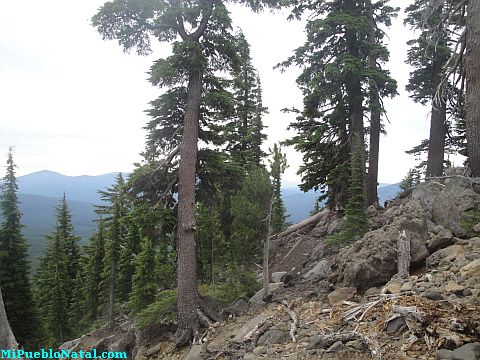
(39, 219)
(51, 184)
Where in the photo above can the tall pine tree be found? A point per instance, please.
(14, 266)
(57, 276)
(278, 165)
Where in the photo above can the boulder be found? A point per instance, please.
(469, 351)
(443, 239)
(453, 288)
(371, 261)
(444, 354)
(472, 269)
(341, 294)
(336, 347)
(195, 353)
(257, 299)
(476, 228)
(273, 337)
(237, 308)
(277, 276)
(393, 287)
(448, 201)
(320, 271)
(396, 325)
(247, 327)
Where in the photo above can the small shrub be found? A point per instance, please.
(163, 310)
(244, 285)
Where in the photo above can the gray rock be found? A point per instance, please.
(336, 347)
(433, 295)
(341, 294)
(355, 344)
(260, 350)
(469, 351)
(246, 328)
(195, 353)
(476, 228)
(273, 337)
(248, 356)
(320, 271)
(257, 299)
(441, 240)
(437, 229)
(277, 276)
(372, 291)
(444, 354)
(396, 325)
(237, 308)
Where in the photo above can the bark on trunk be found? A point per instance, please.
(473, 86)
(111, 295)
(187, 299)
(375, 125)
(438, 129)
(7, 340)
(266, 248)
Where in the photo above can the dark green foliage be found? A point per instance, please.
(237, 285)
(144, 284)
(162, 311)
(58, 277)
(333, 81)
(278, 164)
(14, 266)
(250, 210)
(93, 288)
(410, 181)
(126, 266)
(356, 222)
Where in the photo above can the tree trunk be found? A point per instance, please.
(438, 128)
(473, 86)
(111, 295)
(375, 125)
(266, 250)
(7, 340)
(436, 142)
(187, 298)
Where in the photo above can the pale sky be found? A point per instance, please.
(73, 103)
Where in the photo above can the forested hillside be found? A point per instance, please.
(201, 232)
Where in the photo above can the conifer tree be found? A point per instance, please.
(428, 54)
(144, 281)
(14, 266)
(202, 30)
(126, 266)
(250, 208)
(278, 165)
(93, 274)
(330, 129)
(115, 213)
(54, 283)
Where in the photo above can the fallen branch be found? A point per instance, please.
(293, 327)
(307, 222)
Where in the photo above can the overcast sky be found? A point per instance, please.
(72, 103)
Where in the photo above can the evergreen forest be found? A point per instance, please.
(192, 221)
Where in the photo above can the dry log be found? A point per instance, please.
(293, 315)
(403, 255)
(307, 222)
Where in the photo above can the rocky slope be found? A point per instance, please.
(353, 302)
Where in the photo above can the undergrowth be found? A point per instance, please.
(163, 310)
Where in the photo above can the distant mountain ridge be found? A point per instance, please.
(52, 184)
(41, 191)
